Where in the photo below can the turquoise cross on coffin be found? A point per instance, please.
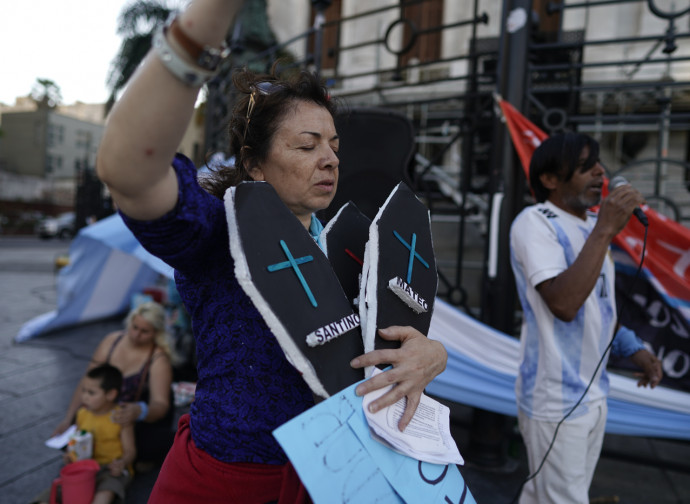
(294, 264)
(413, 254)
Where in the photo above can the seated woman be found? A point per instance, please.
(142, 354)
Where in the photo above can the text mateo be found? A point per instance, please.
(333, 330)
(403, 290)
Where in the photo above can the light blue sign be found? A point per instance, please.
(337, 460)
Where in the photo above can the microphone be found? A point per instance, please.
(618, 181)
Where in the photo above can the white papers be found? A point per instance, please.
(61, 440)
(426, 438)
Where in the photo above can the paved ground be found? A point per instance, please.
(37, 379)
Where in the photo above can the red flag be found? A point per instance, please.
(525, 134)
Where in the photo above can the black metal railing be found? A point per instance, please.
(449, 99)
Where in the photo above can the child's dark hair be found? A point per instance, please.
(109, 376)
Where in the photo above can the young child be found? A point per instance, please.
(113, 443)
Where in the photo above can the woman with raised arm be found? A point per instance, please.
(281, 132)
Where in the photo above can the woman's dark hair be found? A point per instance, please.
(250, 140)
(109, 376)
(560, 155)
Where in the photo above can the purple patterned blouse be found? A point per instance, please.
(246, 387)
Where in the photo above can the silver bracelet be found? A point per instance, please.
(189, 74)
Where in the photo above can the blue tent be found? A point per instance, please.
(107, 266)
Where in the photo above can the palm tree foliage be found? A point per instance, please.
(139, 20)
(136, 25)
(46, 93)
(250, 35)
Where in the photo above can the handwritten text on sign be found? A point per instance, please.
(338, 461)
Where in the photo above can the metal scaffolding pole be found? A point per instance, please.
(488, 444)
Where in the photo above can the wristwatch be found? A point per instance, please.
(205, 57)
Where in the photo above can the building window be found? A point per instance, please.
(83, 139)
(49, 164)
(548, 24)
(425, 15)
(50, 135)
(330, 43)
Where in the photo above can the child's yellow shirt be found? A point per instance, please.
(107, 445)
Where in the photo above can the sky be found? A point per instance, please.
(70, 42)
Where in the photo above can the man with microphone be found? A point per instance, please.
(565, 280)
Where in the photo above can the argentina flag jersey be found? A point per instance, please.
(558, 358)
